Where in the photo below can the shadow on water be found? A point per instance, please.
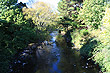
(65, 59)
(55, 68)
(71, 60)
(48, 62)
(51, 57)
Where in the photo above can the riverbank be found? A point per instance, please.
(54, 56)
(50, 58)
(71, 60)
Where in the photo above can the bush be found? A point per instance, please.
(15, 34)
(60, 39)
(88, 47)
(92, 12)
(79, 37)
(84, 32)
(101, 53)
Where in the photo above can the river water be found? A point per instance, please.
(51, 57)
(64, 59)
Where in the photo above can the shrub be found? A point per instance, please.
(15, 34)
(92, 12)
(101, 53)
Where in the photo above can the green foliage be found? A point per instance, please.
(92, 12)
(8, 2)
(87, 48)
(84, 42)
(63, 7)
(15, 33)
(42, 35)
(93, 44)
(102, 52)
(84, 32)
(79, 37)
(42, 15)
(99, 47)
(60, 40)
(68, 13)
(76, 37)
(42, 18)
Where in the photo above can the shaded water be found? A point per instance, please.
(49, 57)
(48, 63)
(55, 50)
(64, 59)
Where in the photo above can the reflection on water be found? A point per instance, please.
(50, 60)
(53, 59)
(55, 67)
(56, 50)
(72, 62)
(67, 60)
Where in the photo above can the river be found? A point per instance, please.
(64, 59)
(51, 57)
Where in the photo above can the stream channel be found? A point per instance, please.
(64, 59)
(52, 57)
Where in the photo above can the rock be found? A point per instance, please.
(45, 43)
(11, 70)
(82, 66)
(39, 47)
(72, 47)
(42, 43)
(53, 52)
(38, 54)
(57, 54)
(24, 64)
(86, 63)
(15, 62)
(86, 67)
(74, 65)
(33, 46)
(19, 61)
(50, 43)
(26, 51)
(25, 54)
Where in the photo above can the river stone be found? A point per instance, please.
(26, 51)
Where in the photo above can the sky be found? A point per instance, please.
(53, 3)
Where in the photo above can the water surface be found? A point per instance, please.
(65, 59)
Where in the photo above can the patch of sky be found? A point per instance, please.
(53, 3)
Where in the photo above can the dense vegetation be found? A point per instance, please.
(90, 25)
(18, 29)
(16, 33)
(86, 24)
(42, 17)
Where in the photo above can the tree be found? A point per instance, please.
(68, 13)
(102, 52)
(15, 34)
(41, 14)
(8, 2)
(92, 12)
